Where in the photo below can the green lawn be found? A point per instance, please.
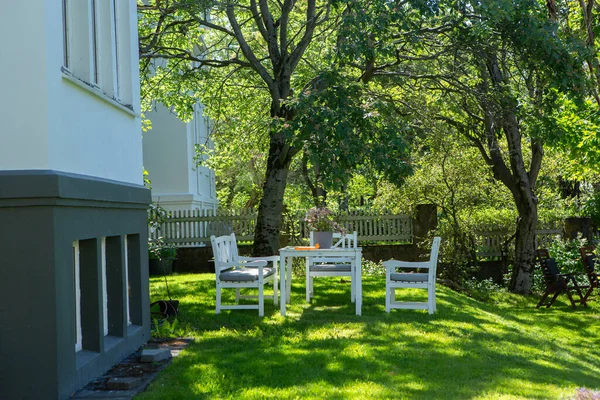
(467, 350)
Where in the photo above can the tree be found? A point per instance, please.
(266, 49)
(264, 41)
(480, 66)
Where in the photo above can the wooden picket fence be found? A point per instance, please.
(188, 228)
(372, 226)
(494, 241)
(194, 227)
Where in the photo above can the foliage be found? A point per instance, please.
(164, 329)
(482, 290)
(381, 77)
(157, 215)
(160, 249)
(343, 126)
(323, 350)
(591, 207)
(372, 268)
(321, 219)
(486, 70)
(566, 253)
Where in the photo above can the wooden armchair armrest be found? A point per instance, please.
(255, 263)
(273, 259)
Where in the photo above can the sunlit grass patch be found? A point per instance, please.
(503, 349)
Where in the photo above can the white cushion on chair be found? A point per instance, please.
(409, 277)
(244, 274)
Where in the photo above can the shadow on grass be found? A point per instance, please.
(466, 350)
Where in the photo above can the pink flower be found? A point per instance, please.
(320, 219)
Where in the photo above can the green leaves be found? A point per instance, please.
(343, 125)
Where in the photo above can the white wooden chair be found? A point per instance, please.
(332, 266)
(395, 279)
(238, 272)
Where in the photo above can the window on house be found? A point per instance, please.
(97, 48)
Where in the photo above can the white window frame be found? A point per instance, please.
(97, 49)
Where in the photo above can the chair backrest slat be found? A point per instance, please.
(225, 251)
(433, 259)
(547, 265)
(589, 264)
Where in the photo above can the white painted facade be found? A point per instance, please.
(52, 118)
(169, 157)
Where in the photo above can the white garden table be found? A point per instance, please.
(286, 255)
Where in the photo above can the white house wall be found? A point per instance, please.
(166, 153)
(79, 130)
(169, 157)
(23, 97)
(73, 208)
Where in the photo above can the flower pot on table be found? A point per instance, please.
(323, 238)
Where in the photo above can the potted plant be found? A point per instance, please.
(161, 254)
(320, 220)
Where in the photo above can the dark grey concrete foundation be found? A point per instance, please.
(42, 213)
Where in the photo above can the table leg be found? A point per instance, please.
(289, 279)
(358, 285)
(282, 285)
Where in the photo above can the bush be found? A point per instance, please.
(373, 268)
(482, 290)
(160, 249)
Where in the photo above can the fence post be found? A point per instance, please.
(575, 225)
(425, 220)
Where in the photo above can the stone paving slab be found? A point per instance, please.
(155, 355)
(99, 388)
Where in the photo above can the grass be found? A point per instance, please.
(505, 349)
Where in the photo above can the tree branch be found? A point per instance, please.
(247, 51)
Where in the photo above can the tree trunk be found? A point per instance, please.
(514, 174)
(522, 274)
(319, 194)
(522, 188)
(268, 223)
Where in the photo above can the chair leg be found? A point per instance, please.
(541, 302)
(431, 299)
(275, 297)
(582, 298)
(261, 300)
(573, 304)
(312, 286)
(307, 286)
(587, 294)
(218, 299)
(388, 291)
(237, 295)
(552, 299)
(352, 289)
